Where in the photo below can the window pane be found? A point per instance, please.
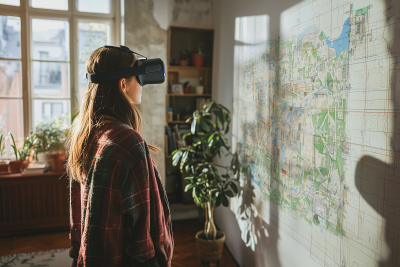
(10, 37)
(94, 6)
(48, 110)
(82, 80)
(50, 79)
(11, 118)
(10, 78)
(50, 4)
(92, 36)
(50, 39)
(10, 2)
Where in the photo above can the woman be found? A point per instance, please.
(119, 214)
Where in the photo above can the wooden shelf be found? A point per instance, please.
(189, 95)
(177, 122)
(175, 68)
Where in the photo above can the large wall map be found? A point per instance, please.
(318, 127)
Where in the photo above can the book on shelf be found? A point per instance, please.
(176, 137)
(171, 142)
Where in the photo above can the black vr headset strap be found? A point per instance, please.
(114, 75)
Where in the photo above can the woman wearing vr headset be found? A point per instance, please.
(119, 212)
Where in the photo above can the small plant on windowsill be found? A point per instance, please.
(210, 188)
(51, 139)
(22, 155)
(3, 164)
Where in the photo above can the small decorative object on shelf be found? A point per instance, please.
(170, 114)
(198, 58)
(199, 89)
(184, 57)
(186, 88)
(177, 88)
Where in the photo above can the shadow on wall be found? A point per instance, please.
(260, 237)
(379, 181)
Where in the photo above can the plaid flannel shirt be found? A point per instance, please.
(119, 214)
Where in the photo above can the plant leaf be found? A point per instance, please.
(218, 201)
(204, 125)
(234, 188)
(225, 201)
(189, 186)
(193, 128)
(176, 157)
(229, 193)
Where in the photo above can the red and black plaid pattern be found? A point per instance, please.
(119, 215)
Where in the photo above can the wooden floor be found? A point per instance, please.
(185, 252)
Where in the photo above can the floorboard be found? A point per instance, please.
(185, 251)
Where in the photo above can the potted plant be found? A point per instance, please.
(43, 133)
(50, 145)
(3, 164)
(183, 58)
(22, 155)
(198, 58)
(210, 188)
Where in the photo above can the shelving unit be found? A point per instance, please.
(181, 38)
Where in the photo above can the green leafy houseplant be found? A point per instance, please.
(210, 188)
(51, 136)
(23, 153)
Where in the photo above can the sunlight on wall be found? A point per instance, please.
(317, 130)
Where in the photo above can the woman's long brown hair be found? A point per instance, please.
(102, 99)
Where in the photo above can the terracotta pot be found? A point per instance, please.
(57, 161)
(24, 164)
(4, 168)
(186, 90)
(16, 166)
(183, 63)
(210, 250)
(198, 61)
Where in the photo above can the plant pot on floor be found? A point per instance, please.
(57, 161)
(16, 166)
(210, 250)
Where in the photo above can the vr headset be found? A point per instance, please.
(146, 71)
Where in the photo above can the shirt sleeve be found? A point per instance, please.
(75, 219)
(138, 244)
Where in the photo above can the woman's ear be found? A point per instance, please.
(122, 85)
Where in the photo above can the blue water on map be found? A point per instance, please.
(294, 189)
(342, 42)
(282, 155)
(253, 169)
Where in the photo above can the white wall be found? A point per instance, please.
(274, 248)
(261, 237)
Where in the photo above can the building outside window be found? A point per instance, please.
(43, 49)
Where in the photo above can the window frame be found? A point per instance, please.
(26, 13)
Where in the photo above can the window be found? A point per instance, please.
(44, 45)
